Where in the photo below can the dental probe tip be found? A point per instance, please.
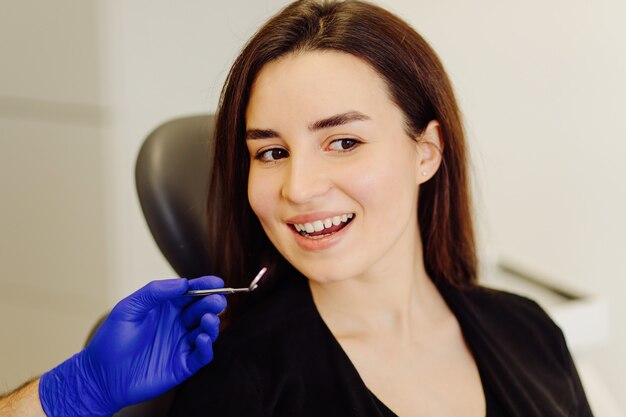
(254, 284)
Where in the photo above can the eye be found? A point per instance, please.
(271, 155)
(343, 144)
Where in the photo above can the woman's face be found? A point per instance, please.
(333, 174)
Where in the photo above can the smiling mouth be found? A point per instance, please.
(322, 228)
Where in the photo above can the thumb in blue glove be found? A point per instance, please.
(152, 341)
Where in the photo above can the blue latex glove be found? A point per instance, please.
(152, 341)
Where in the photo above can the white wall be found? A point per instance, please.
(52, 241)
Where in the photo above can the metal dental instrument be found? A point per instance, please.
(253, 286)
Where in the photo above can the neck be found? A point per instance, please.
(394, 299)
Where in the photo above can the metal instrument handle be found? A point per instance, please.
(201, 293)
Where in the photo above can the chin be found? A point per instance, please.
(323, 267)
(325, 274)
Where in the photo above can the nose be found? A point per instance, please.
(305, 179)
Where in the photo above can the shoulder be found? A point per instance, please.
(516, 337)
(486, 297)
(513, 324)
(501, 308)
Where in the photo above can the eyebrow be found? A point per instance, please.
(332, 121)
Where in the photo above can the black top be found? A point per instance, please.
(280, 359)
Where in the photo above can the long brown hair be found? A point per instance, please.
(418, 84)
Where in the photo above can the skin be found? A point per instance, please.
(368, 280)
(23, 402)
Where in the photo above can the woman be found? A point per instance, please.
(340, 163)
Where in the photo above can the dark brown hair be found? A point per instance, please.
(417, 83)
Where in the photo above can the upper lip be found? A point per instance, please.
(311, 217)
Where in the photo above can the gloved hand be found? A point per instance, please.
(152, 341)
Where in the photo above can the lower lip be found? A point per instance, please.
(322, 243)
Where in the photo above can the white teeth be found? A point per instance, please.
(319, 225)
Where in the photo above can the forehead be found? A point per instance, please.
(313, 85)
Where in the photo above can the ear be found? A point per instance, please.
(429, 151)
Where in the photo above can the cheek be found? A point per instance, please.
(385, 184)
(261, 196)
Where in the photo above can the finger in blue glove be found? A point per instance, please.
(153, 340)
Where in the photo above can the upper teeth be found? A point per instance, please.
(319, 225)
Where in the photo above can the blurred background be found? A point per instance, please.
(541, 86)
